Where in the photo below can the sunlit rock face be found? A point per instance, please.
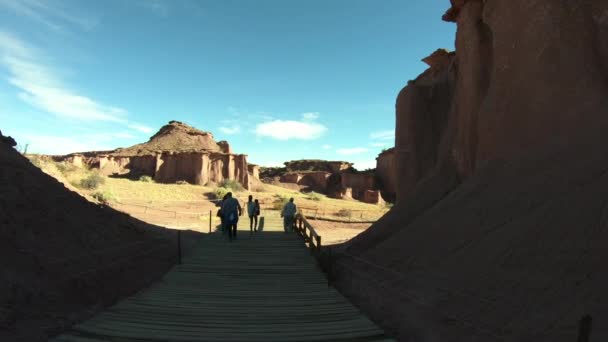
(177, 152)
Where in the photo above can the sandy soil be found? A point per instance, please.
(337, 232)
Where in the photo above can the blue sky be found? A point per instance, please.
(280, 80)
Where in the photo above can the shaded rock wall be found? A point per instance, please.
(500, 214)
(386, 174)
(359, 183)
(422, 117)
(254, 170)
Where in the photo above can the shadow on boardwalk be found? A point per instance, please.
(261, 287)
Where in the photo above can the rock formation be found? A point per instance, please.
(177, 152)
(336, 179)
(499, 229)
(386, 174)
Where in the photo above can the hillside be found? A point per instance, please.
(175, 137)
(63, 257)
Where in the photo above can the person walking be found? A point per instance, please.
(231, 210)
(253, 219)
(220, 214)
(288, 214)
(256, 212)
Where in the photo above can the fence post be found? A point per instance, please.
(210, 211)
(329, 267)
(584, 328)
(318, 243)
(179, 247)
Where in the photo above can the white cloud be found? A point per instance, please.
(351, 151)
(141, 128)
(58, 145)
(230, 130)
(380, 144)
(383, 135)
(49, 13)
(326, 147)
(41, 88)
(310, 116)
(364, 164)
(287, 129)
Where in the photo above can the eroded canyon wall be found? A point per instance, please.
(386, 174)
(500, 213)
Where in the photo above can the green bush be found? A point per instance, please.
(221, 192)
(92, 181)
(232, 184)
(105, 197)
(279, 202)
(313, 196)
(145, 179)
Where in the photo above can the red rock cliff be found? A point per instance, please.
(498, 233)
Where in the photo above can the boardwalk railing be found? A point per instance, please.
(307, 231)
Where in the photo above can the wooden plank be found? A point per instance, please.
(261, 287)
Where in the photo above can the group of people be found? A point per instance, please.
(230, 210)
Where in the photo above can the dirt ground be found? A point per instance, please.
(337, 232)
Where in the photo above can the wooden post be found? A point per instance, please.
(179, 247)
(318, 243)
(210, 212)
(329, 267)
(584, 328)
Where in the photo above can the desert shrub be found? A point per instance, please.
(35, 160)
(344, 213)
(232, 184)
(92, 181)
(313, 196)
(105, 197)
(181, 182)
(221, 192)
(145, 179)
(65, 168)
(279, 202)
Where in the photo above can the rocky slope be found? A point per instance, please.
(177, 152)
(499, 229)
(62, 257)
(176, 137)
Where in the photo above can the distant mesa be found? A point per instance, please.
(177, 152)
(337, 179)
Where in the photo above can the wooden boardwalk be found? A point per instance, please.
(261, 287)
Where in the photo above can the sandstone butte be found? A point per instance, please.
(499, 232)
(177, 152)
(337, 179)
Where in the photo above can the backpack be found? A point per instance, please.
(232, 218)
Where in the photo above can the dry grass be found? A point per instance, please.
(188, 206)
